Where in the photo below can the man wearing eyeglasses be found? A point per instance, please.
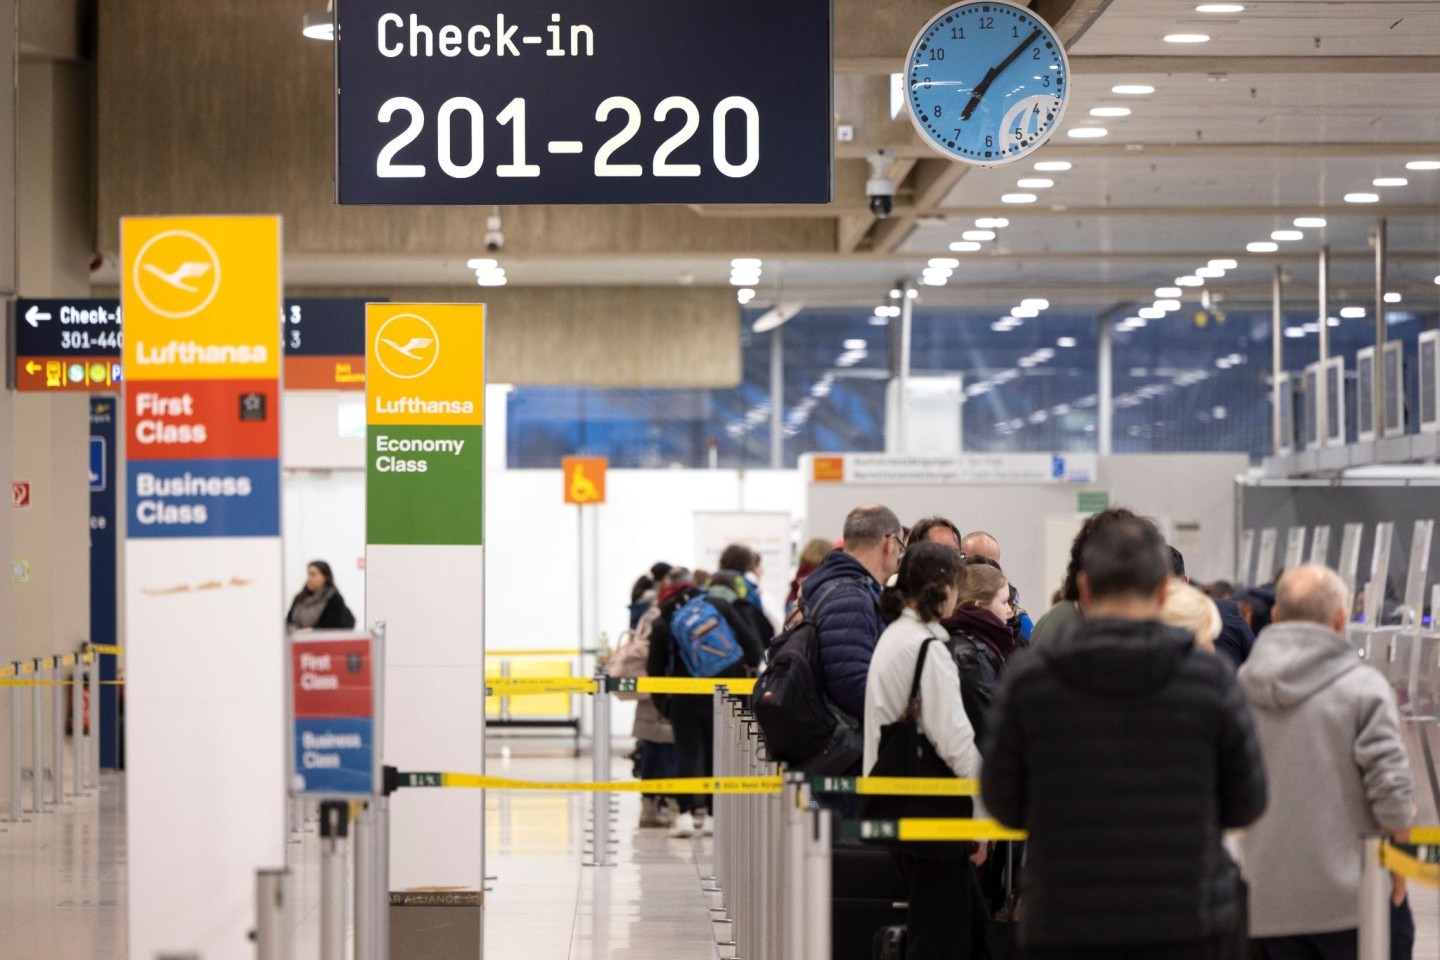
(842, 599)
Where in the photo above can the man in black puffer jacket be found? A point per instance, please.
(1125, 751)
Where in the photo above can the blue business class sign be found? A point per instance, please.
(582, 101)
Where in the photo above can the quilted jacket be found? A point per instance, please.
(842, 599)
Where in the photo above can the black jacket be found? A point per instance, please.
(665, 661)
(1124, 750)
(981, 663)
(1235, 640)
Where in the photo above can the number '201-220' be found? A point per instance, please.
(513, 116)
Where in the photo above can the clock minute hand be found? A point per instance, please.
(994, 73)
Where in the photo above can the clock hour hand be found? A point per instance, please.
(993, 74)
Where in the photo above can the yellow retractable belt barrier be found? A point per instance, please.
(1393, 858)
(922, 830)
(535, 686)
(534, 653)
(58, 683)
(109, 648)
(887, 786)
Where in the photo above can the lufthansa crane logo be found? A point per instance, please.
(176, 274)
(407, 346)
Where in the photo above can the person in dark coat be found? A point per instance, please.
(319, 605)
(842, 599)
(692, 717)
(1125, 751)
(981, 639)
(1236, 639)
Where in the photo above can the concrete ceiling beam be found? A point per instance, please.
(1175, 66)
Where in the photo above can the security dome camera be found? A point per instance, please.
(494, 236)
(880, 188)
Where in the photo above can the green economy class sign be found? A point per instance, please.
(425, 407)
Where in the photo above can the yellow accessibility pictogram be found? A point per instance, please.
(584, 479)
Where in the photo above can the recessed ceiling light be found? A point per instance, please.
(1089, 133)
(932, 280)
(1220, 8)
(856, 345)
(1151, 313)
(1169, 306)
(1038, 303)
(1294, 333)
(746, 263)
(744, 279)
(1352, 313)
(1054, 166)
(1000, 326)
(992, 223)
(944, 263)
(1186, 38)
(1133, 89)
(1065, 342)
(979, 234)
(745, 295)
(1287, 235)
(1423, 165)
(1019, 198)
(964, 246)
(1362, 198)
(1029, 313)
(492, 280)
(1224, 264)
(1333, 322)
(1190, 281)
(1393, 298)
(1262, 246)
(1311, 223)
(1391, 182)
(1137, 322)
(1167, 293)
(1035, 183)
(1110, 112)
(482, 264)
(319, 25)
(912, 294)
(1209, 273)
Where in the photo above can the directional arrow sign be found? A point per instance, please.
(32, 368)
(34, 315)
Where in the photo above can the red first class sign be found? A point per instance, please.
(203, 420)
(332, 678)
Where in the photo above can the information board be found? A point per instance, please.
(630, 101)
(75, 344)
(334, 697)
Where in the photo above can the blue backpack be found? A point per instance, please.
(706, 643)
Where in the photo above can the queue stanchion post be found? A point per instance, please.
(364, 889)
(600, 767)
(83, 719)
(74, 693)
(816, 892)
(37, 737)
(16, 716)
(272, 929)
(92, 696)
(795, 824)
(334, 832)
(57, 734)
(380, 950)
(1374, 903)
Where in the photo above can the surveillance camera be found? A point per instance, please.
(880, 188)
(494, 236)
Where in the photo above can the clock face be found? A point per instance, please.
(987, 82)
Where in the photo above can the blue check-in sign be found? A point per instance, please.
(98, 479)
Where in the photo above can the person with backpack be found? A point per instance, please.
(654, 737)
(696, 635)
(736, 588)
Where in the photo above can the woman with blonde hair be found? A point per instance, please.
(1187, 607)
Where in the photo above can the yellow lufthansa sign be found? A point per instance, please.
(200, 296)
(425, 363)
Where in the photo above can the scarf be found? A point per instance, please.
(806, 568)
(985, 627)
(306, 610)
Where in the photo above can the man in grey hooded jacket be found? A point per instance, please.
(1337, 768)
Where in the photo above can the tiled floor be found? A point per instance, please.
(62, 880)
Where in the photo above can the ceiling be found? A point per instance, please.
(1291, 105)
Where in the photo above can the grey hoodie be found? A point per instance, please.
(1337, 768)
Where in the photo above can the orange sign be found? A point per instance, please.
(829, 470)
(584, 479)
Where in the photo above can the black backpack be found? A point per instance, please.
(802, 727)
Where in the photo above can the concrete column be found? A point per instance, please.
(1381, 331)
(777, 398)
(1105, 387)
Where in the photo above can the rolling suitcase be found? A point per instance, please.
(889, 944)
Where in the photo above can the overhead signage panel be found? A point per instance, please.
(999, 468)
(636, 101)
(75, 344)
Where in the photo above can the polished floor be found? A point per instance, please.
(62, 880)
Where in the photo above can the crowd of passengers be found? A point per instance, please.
(1147, 735)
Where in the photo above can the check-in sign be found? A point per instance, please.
(578, 101)
(334, 742)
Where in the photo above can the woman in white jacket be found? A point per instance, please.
(940, 922)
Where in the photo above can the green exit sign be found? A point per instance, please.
(1092, 501)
